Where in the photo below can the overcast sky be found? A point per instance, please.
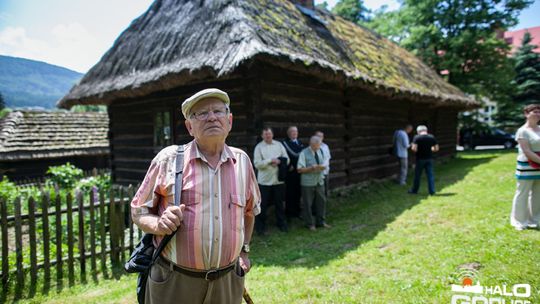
(76, 33)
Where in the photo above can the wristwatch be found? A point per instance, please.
(245, 248)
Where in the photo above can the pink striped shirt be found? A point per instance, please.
(212, 232)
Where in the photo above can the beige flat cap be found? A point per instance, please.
(206, 93)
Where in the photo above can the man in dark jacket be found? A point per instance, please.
(292, 197)
(424, 145)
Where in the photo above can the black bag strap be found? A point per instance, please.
(177, 197)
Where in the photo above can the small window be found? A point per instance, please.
(162, 129)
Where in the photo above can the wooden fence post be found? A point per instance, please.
(71, 243)
(113, 229)
(46, 242)
(122, 225)
(130, 221)
(33, 245)
(5, 248)
(93, 235)
(58, 230)
(18, 249)
(103, 238)
(82, 249)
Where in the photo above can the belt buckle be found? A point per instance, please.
(209, 275)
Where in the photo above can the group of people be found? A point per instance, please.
(293, 178)
(525, 213)
(423, 145)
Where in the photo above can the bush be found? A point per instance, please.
(8, 189)
(65, 176)
(9, 192)
(102, 182)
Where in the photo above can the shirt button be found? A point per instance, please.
(215, 194)
(215, 240)
(216, 217)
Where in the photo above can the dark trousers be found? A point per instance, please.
(313, 202)
(326, 185)
(292, 198)
(424, 164)
(271, 195)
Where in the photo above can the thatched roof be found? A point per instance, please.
(178, 42)
(39, 135)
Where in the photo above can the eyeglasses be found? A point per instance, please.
(203, 115)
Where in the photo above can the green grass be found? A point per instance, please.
(386, 246)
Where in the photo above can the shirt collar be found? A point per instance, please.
(194, 153)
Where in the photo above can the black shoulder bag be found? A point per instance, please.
(144, 255)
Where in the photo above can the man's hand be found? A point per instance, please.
(275, 162)
(245, 263)
(170, 220)
(317, 168)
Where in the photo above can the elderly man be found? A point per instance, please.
(401, 145)
(424, 145)
(267, 158)
(206, 260)
(311, 168)
(327, 157)
(292, 197)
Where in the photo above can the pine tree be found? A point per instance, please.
(525, 85)
(527, 80)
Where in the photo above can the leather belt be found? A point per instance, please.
(210, 275)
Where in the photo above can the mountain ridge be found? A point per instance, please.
(32, 83)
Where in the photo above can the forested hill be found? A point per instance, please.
(30, 83)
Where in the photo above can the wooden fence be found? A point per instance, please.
(87, 235)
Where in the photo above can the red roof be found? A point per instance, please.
(515, 38)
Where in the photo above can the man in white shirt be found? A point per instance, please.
(313, 199)
(327, 156)
(268, 155)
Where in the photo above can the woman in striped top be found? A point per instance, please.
(526, 204)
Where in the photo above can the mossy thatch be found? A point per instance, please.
(178, 42)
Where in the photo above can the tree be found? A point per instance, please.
(391, 24)
(526, 84)
(323, 5)
(2, 102)
(527, 80)
(352, 10)
(459, 37)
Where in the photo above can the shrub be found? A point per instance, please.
(102, 182)
(65, 176)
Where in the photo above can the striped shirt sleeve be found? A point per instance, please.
(152, 189)
(253, 195)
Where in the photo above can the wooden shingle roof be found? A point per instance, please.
(179, 42)
(39, 135)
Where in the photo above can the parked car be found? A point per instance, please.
(471, 138)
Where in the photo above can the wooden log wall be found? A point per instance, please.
(358, 125)
(445, 129)
(289, 98)
(372, 123)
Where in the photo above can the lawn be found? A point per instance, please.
(387, 246)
